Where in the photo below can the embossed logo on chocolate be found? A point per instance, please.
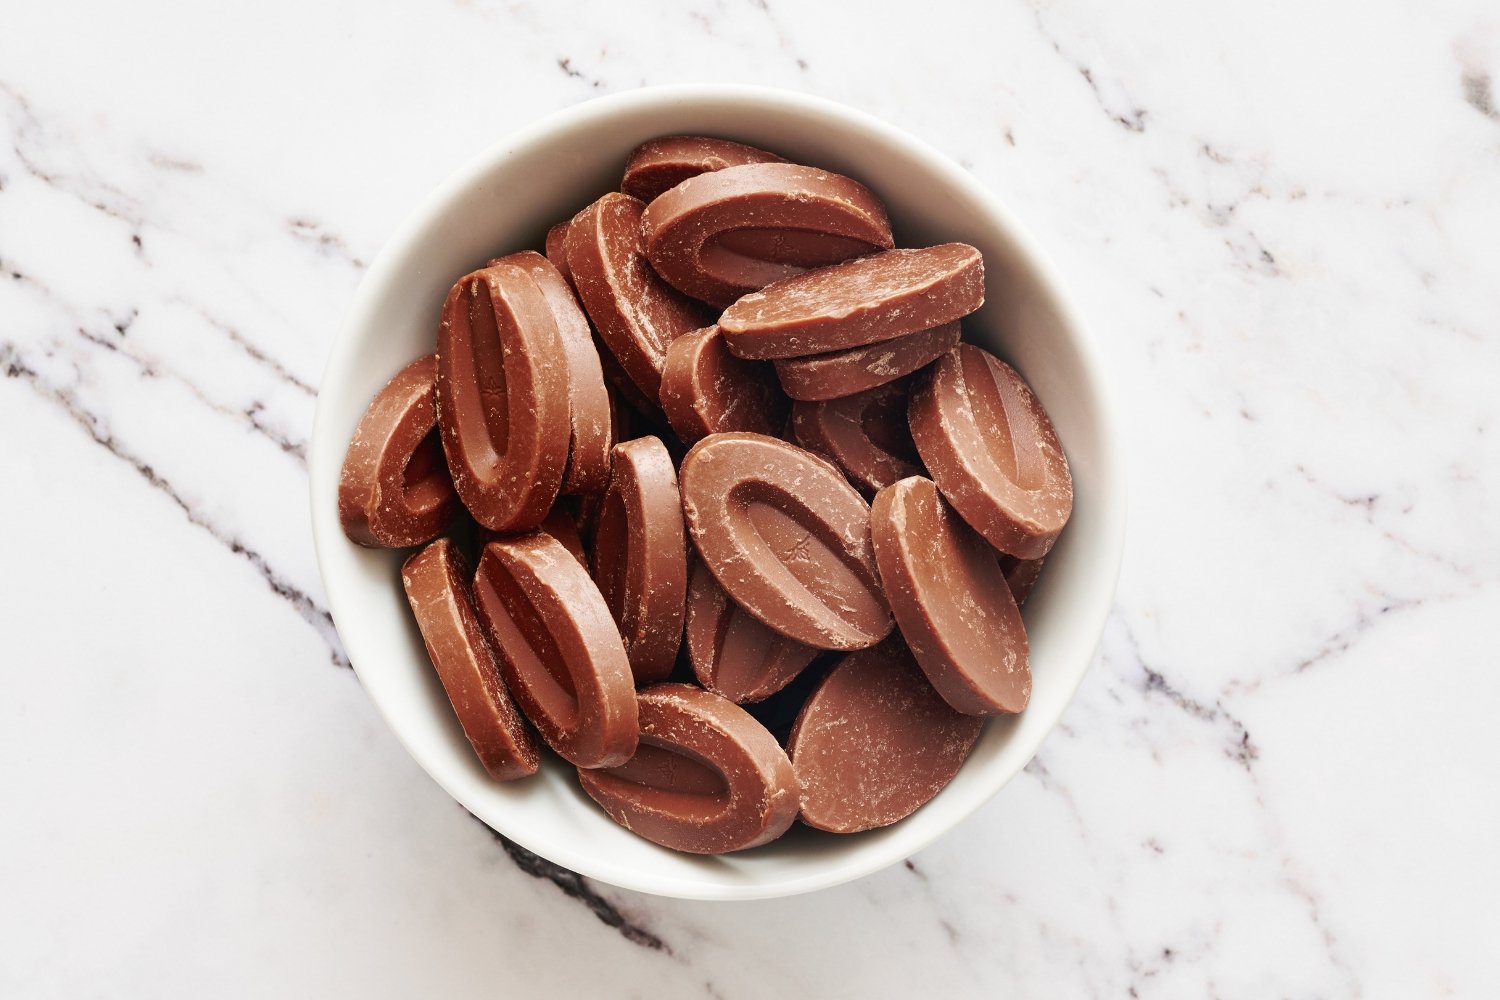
(787, 538)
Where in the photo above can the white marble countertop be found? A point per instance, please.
(1280, 778)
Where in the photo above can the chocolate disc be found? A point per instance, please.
(865, 435)
(732, 653)
(394, 489)
(706, 390)
(865, 301)
(722, 234)
(855, 369)
(992, 451)
(707, 778)
(590, 440)
(787, 538)
(437, 587)
(664, 163)
(1021, 575)
(875, 742)
(640, 556)
(638, 315)
(951, 600)
(502, 397)
(560, 651)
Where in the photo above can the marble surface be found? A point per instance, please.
(1279, 779)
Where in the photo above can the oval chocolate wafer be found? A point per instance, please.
(786, 537)
(706, 390)
(394, 489)
(502, 400)
(1021, 575)
(640, 555)
(658, 165)
(707, 778)
(951, 601)
(875, 742)
(991, 449)
(733, 654)
(865, 435)
(560, 651)
(588, 401)
(436, 580)
(719, 235)
(864, 301)
(855, 369)
(637, 314)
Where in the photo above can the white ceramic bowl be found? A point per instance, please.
(504, 200)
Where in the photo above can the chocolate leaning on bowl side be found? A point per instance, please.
(865, 435)
(640, 556)
(951, 600)
(659, 165)
(394, 489)
(787, 538)
(560, 653)
(865, 301)
(707, 778)
(503, 397)
(992, 450)
(436, 581)
(875, 742)
(706, 390)
(722, 234)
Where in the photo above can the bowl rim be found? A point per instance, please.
(325, 454)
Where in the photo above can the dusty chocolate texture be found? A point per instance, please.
(875, 742)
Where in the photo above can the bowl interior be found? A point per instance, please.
(504, 201)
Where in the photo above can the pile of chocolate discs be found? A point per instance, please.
(714, 501)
